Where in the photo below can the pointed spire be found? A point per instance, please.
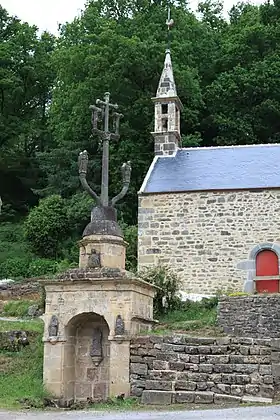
(166, 133)
(167, 87)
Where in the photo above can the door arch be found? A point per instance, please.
(267, 264)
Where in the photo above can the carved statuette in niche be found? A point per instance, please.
(53, 326)
(96, 352)
(119, 327)
(94, 259)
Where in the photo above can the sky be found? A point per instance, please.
(47, 14)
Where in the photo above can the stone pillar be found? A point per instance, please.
(53, 367)
(119, 367)
(111, 250)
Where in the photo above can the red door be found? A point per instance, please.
(267, 265)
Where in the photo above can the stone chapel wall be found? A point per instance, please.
(204, 235)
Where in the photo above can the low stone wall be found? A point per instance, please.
(255, 316)
(182, 369)
(28, 289)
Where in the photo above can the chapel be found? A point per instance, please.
(212, 214)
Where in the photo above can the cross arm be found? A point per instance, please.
(126, 174)
(83, 164)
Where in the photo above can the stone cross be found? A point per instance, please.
(99, 113)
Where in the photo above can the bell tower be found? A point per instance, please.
(167, 108)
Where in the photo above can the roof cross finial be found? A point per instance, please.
(169, 24)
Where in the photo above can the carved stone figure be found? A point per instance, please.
(53, 326)
(119, 327)
(83, 162)
(96, 345)
(94, 259)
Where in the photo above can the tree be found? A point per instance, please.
(243, 102)
(46, 226)
(120, 50)
(25, 83)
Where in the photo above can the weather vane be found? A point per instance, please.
(99, 113)
(169, 23)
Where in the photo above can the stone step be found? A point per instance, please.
(153, 397)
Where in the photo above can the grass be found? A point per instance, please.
(17, 308)
(35, 325)
(21, 373)
(198, 317)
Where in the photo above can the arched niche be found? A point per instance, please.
(86, 358)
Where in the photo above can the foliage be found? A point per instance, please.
(78, 209)
(46, 225)
(26, 78)
(131, 237)
(190, 316)
(167, 283)
(17, 261)
(14, 254)
(41, 266)
(236, 294)
(15, 267)
(17, 308)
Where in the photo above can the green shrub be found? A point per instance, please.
(18, 308)
(131, 237)
(166, 298)
(42, 266)
(78, 212)
(70, 249)
(15, 267)
(209, 303)
(46, 226)
(64, 265)
(12, 245)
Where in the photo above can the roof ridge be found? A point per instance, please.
(230, 147)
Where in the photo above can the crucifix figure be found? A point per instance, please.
(99, 113)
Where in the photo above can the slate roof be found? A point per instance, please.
(215, 168)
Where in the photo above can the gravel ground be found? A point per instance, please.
(248, 413)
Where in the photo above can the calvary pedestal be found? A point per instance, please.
(92, 311)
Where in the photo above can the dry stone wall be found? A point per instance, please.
(29, 290)
(203, 236)
(182, 369)
(255, 316)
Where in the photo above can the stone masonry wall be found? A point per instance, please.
(181, 369)
(204, 235)
(255, 316)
